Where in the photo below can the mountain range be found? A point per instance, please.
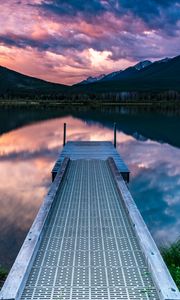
(118, 74)
(148, 76)
(145, 76)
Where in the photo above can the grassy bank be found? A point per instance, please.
(3, 275)
(171, 257)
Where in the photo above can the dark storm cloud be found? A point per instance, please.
(159, 15)
(56, 44)
(73, 7)
(77, 34)
(156, 14)
(150, 11)
(22, 42)
(162, 16)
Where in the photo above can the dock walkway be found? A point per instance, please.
(89, 242)
(91, 150)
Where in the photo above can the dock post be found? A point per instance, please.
(114, 135)
(64, 137)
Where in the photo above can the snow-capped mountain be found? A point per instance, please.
(142, 64)
(93, 79)
(164, 60)
(124, 74)
(111, 75)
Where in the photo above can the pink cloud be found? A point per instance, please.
(37, 40)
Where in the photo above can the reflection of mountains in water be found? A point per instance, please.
(145, 125)
(139, 137)
(140, 124)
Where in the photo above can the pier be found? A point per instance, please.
(91, 150)
(89, 240)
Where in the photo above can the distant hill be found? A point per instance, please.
(163, 75)
(14, 83)
(145, 76)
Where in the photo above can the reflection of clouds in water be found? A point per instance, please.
(152, 154)
(172, 200)
(20, 193)
(155, 185)
(22, 188)
(49, 135)
(28, 154)
(26, 159)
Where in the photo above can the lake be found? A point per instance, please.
(30, 140)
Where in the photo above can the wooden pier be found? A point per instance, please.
(91, 150)
(89, 240)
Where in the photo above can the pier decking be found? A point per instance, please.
(91, 150)
(88, 240)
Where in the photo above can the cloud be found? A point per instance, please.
(151, 12)
(67, 30)
(73, 7)
(21, 41)
(156, 14)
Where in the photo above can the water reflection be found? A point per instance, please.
(28, 154)
(155, 186)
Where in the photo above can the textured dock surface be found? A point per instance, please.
(89, 249)
(91, 150)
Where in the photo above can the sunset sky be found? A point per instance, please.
(66, 41)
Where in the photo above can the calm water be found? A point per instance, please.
(29, 145)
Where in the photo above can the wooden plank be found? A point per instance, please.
(91, 150)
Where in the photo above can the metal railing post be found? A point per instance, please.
(114, 135)
(64, 136)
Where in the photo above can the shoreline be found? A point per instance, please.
(53, 103)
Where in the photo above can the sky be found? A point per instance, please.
(66, 41)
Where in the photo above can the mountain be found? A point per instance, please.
(14, 83)
(131, 71)
(111, 76)
(145, 76)
(142, 64)
(164, 59)
(93, 79)
(118, 74)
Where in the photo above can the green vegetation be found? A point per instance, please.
(171, 257)
(3, 275)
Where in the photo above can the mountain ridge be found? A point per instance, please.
(159, 75)
(128, 72)
(145, 76)
(13, 81)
